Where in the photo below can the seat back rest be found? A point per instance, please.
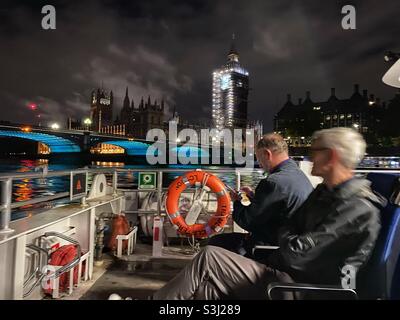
(376, 279)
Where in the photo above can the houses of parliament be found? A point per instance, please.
(131, 121)
(138, 121)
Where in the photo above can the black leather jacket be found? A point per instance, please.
(333, 228)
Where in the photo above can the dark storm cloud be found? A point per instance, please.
(168, 49)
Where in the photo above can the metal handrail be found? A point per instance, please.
(7, 179)
(37, 271)
(60, 173)
(299, 287)
(383, 170)
(49, 174)
(58, 195)
(31, 175)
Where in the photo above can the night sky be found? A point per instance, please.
(168, 49)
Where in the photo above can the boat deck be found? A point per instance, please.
(136, 276)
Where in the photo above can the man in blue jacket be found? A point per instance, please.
(276, 197)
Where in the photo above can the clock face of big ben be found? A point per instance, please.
(105, 101)
(225, 81)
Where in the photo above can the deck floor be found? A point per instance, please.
(139, 275)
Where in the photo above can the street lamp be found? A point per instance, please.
(55, 126)
(88, 123)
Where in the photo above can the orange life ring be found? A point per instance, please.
(216, 222)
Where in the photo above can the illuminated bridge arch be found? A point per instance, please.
(132, 148)
(55, 143)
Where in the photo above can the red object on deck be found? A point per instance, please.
(120, 225)
(62, 256)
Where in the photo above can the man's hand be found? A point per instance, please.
(248, 191)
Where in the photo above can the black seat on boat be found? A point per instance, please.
(380, 278)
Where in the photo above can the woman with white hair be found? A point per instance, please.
(336, 227)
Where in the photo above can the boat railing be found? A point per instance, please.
(7, 179)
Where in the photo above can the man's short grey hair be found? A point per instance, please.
(349, 144)
(273, 142)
